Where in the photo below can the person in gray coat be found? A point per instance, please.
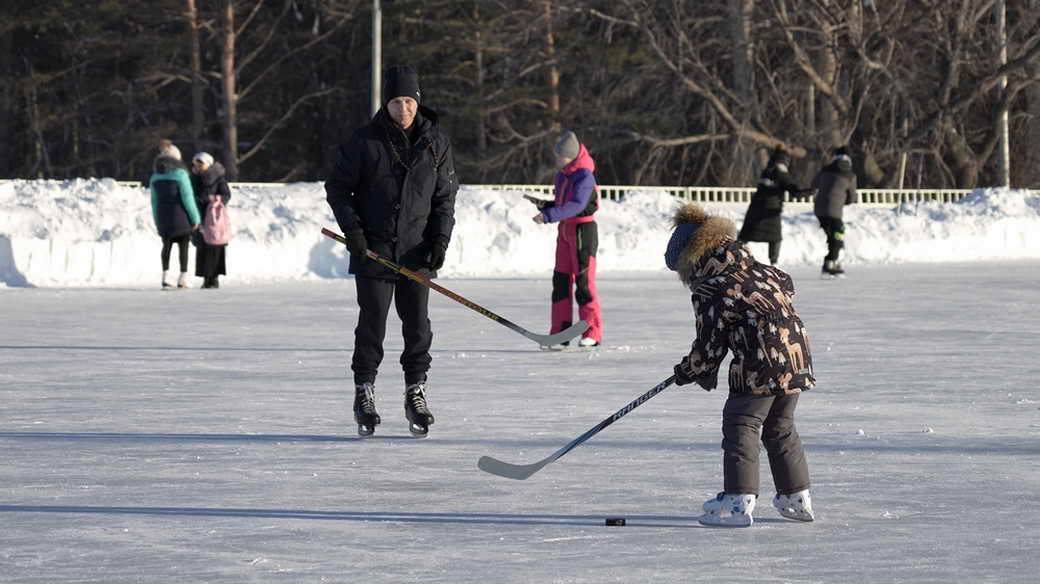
(835, 187)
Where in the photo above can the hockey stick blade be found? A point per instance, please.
(563, 336)
(522, 471)
(510, 471)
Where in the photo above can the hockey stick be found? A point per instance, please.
(554, 339)
(522, 471)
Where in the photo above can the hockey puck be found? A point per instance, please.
(615, 521)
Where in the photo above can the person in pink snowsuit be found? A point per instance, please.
(574, 208)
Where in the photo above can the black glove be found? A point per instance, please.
(357, 244)
(683, 376)
(438, 251)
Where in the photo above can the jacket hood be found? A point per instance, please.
(583, 161)
(714, 235)
(840, 166)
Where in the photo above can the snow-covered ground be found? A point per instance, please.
(100, 233)
(205, 436)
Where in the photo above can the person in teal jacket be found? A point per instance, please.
(173, 208)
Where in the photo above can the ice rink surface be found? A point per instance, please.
(206, 436)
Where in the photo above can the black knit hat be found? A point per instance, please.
(779, 156)
(400, 82)
(842, 151)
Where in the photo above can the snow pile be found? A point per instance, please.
(97, 232)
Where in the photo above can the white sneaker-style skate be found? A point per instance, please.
(182, 282)
(588, 343)
(797, 506)
(728, 510)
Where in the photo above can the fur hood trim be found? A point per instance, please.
(714, 232)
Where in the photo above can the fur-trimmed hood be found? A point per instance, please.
(710, 234)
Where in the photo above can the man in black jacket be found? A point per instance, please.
(393, 192)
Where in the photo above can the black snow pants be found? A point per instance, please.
(411, 300)
(744, 418)
(835, 230)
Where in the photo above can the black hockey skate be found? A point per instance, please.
(415, 409)
(365, 409)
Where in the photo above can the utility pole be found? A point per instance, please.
(377, 56)
(1005, 147)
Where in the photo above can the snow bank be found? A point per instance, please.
(97, 232)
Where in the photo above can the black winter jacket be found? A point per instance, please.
(762, 222)
(213, 181)
(835, 187)
(399, 188)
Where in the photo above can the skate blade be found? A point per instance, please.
(418, 431)
(365, 431)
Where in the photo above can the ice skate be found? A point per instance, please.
(165, 284)
(182, 282)
(728, 510)
(416, 410)
(831, 270)
(588, 343)
(365, 409)
(797, 506)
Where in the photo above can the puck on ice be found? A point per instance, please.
(615, 521)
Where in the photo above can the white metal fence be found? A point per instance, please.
(886, 197)
(743, 194)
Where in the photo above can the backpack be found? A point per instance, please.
(216, 226)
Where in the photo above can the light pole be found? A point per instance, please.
(377, 56)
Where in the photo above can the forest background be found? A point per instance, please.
(664, 92)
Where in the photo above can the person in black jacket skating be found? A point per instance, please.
(835, 187)
(393, 192)
(208, 179)
(762, 221)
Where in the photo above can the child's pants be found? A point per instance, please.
(576, 245)
(743, 417)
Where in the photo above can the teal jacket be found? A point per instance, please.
(173, 203)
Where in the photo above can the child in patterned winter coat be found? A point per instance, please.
(743, 306)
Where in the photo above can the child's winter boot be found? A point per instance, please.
(729, 510)
(796, 506)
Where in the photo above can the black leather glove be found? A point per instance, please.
(438, 251)
(357, 244)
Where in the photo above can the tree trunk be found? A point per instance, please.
(227, 74)
(481, 106)
(830, 119)
(197, 80)
(742, 166)
(554, 70)
(8, 101)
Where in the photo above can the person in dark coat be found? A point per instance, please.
(835, 187)
(173, 208)
(208, 180)
(743, 306)
(762, 221)
(392, 191)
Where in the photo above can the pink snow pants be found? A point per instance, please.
(574, 278)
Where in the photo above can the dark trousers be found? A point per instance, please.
(774, 250)
(411, 300)
(182, 250)
(835, 231)
(744, 418)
